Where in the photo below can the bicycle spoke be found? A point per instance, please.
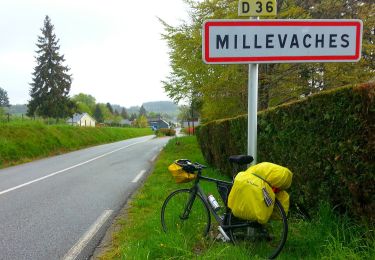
(185, 215)
(265, 241)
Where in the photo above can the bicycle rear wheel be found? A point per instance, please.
(185, 213)
(265, 241)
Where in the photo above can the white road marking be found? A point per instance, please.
(74, 252)
(66, 169)
(136, 179)
(154, 158)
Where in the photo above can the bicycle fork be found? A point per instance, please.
(189, 205)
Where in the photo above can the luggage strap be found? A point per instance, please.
(262, 179)
(267, 199)
(275, 190)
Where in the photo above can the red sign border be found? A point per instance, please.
(281, 59)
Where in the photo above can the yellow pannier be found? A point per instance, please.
(179, 174)
(251, 198)
(252, 192)
(277, 176)
(283, 197)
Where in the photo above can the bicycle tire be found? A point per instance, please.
(265, 241)
(196, 222)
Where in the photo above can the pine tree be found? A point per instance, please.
(51, 81)
(142, 111)
(124, 113)
(133, 116)
(4, 101)
(98, 114)
(110, 108)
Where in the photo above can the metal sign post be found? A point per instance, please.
(252, 110)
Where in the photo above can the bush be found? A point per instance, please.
(188, 130)
(165, 132)
(327, 140)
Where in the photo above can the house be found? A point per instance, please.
(190, 123)
(124, 122)
(83, 119)
(157, 123)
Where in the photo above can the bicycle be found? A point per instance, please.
(189, 211)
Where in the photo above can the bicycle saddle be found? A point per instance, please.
(241, 159)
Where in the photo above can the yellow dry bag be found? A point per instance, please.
(276, 175)
(251, 198)
(283, 198)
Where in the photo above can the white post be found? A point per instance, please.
(252, 109)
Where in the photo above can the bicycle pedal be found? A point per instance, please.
(222, 235)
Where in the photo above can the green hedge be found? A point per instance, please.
(327, 140)
(165, 132)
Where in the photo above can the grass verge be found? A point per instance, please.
(24, 141)
(140, 236)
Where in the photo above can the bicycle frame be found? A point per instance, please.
(197, 189)
(268, 238)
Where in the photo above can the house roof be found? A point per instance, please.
(158, 121)
(125, 122)
(77, 117)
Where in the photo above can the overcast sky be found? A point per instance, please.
(113, 47)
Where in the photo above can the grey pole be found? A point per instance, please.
(252, 107)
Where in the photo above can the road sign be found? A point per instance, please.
(257, 8)
(281, 41)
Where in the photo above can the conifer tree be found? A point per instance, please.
(4, 101)
(110, 108)
(133, 116)
(142, 111)
(124, 113)
(51, 79)
(98, 114)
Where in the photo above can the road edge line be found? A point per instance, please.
(76, 250)
(136, 179)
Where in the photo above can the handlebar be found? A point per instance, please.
(188, 166)
(199, 166)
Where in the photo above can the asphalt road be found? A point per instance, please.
(60, 207)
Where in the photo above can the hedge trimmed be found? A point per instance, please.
(165, 132)
(327, 140)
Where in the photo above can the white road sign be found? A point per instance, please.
(257, 8)
(281, 41)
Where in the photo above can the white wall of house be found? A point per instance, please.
(186, 123)
(86, 120)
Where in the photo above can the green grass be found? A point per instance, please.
(140, 236)
(28, 140)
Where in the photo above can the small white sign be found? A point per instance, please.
(281, 41)
(257, 8)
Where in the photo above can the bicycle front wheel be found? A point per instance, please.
(185, 212)
(265, 241)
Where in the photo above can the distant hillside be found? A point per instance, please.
(161, 107)
(17, 109)
(133, 110)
